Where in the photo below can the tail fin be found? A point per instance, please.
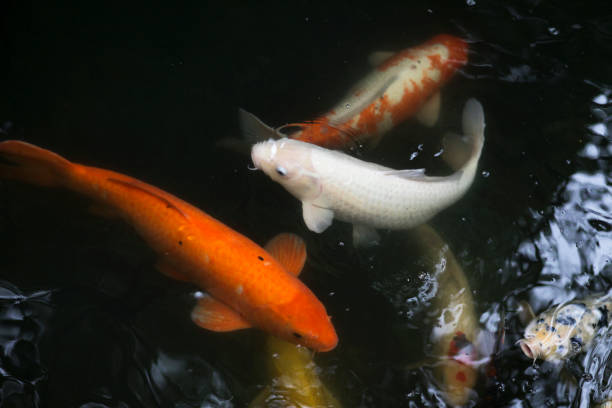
(31, 164)
(461, 152)
(474, 123)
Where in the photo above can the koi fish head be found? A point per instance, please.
(304, 320)
(544, 341)
(288, 162)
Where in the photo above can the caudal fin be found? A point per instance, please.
(25, 162)
(474, 123)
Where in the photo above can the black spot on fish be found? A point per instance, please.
(600, 225)
(553, 329)
(260, 258)
(603, 321)
(180, 242)
(576, 342)
(566, 320)
(540, 321)
(297, 335)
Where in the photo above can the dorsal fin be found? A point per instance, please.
(143, 187)
(289, 250)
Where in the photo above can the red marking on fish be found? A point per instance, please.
(366, 123)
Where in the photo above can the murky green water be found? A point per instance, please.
(85, 320)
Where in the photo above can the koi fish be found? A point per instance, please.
(567, 329)
(296, 381)
(331, 184)
(403, 84)
(460, 347)
(246, 285)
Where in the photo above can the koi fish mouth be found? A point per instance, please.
(529, 351)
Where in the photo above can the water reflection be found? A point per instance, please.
(574, 249)
(23, 320)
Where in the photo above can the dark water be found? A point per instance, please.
(149, 90)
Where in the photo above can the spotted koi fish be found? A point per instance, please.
(565, 330)
(403, 84)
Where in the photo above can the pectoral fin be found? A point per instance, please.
(170, 271)
(525, 312)
(378, 57)
(430, 111)
(317, 219)
(289, 250)
(213, 315)
(364, 236)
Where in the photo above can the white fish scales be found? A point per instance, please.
(332, 184)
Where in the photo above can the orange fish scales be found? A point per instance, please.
(248, 286)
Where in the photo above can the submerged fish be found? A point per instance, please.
(460, 347)
(331, 184)
(246, 285)
(403, 84)
(295, 381)
(565, 330)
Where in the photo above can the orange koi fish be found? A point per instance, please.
(246, 285)
(403, 84)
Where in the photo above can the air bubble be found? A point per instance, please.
(485, 174)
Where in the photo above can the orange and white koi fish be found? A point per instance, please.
(245, 284)
(296, 382)
(403, 84)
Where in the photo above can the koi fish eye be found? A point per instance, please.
(281, 171)
(297, 335)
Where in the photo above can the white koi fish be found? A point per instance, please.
(565, 330)
(333, 184)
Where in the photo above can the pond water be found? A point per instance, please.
(86, 320)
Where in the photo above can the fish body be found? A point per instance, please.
(403, 84)
(456, 333)
(245, 284)
(295, 381)
(332, 184)
(565, 330)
